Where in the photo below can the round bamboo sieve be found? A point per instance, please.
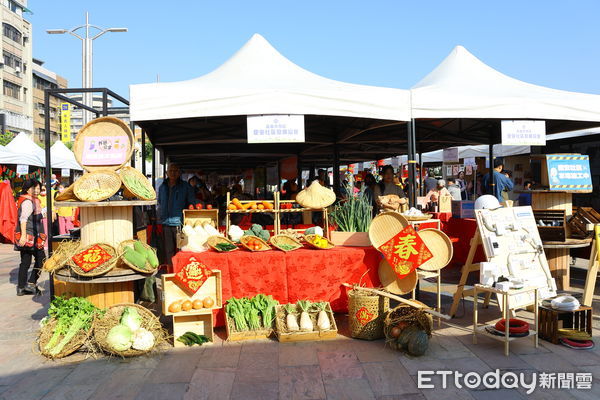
(214, 240)
(440, 246)
(97, 186)
(385, 226)
(390, 281)
(278, 240)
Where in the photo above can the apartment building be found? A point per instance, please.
(43, 79)
(16, 102)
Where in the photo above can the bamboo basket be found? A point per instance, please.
(214, 240)
(283, 335)
(390, 281)
(105, 182)
(129, 243)
(310, 238)
(423, 217)
(112, 317)
(67, 195)
(102, 127)
(130, 192)
(102, 268)
(278, 240)
(60, 256)
(74, 344)
(410, 315)
(367, 312)
(264, 244)
(440, 246)
(385, 226)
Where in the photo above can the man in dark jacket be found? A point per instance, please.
(501, 181)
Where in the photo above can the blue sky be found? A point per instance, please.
(386, 43)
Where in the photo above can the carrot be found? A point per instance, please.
(253, 206)
(267, 205)
(237, 203)
(261, 207)
(232, 207)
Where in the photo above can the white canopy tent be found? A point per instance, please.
(462, 86)
(437, 156)
(22, 150)
(62, 157)
(257, 79)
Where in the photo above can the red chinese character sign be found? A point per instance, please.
(192, 276)
(91, 258)
(405, 251)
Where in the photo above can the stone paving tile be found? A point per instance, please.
(348, 389)
(121, 386)
(162, 391)
(225, 356)
(91, 373)
(37, 384)
(578, 358)
(550, 362)
(375, 351)
(177, 366)
(210, 384)
(258, 367)
(340, 365)
(499, 394)
(255, 391)
(408, 396)
(301, 383)
(71, 392)
(389, 378)
(297, 354)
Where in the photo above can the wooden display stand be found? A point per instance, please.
(108, 222)
(193, 217)
(592, 273)
(428, 275)
(478, 330)
(580, 319)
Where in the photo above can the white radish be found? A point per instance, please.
(305, 321)
(323, 320)
(290, 320)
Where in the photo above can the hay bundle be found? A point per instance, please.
(74, 344)
(60, 257)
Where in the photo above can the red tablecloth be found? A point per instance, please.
(289, 277)
(461, 230)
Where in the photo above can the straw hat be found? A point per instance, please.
(385, 226)
(391, 282)
(440, 246)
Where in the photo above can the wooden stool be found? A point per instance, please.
(580, 319)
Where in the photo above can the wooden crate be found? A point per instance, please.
(199, 323)
(582, 222)
(551, 233)
(284, 336)
(102, 295)
(194, 217)
(551, 320)
(171, 292)
(235, 336)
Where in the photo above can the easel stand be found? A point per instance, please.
(592, 273)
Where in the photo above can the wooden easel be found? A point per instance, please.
(466, 270)
(592, 273)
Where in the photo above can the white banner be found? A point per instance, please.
(470, 161)
(451, 154)
(523, 133)
(275, 128)
(22, 169)
(65, 172)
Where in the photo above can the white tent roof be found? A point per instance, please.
(473, 151)
(259, 80)
(462, 86)
(62, 157)
(22, 150)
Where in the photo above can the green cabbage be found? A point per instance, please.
(120, 338)
(131, 319)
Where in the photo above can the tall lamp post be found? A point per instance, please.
(86, 56)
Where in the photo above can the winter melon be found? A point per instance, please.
(418, 343)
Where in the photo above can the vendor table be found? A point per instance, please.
(558, 257)
(290, 276)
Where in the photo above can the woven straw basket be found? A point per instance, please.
(102, 268)
(112, 317)
(310, 238)
(244, 240)
(214, 240)
(368, 304)
(278, 240)
(60, 257)
(102, 127)
(131, 192)
(97, 185)
(409, 315)
(440, 246)
(129, 243)
(67, 195)
(74, 344)
(385, 226)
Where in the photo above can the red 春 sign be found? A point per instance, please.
(405, 251)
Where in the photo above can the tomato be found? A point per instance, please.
(199, 206)
(209, 206)
(257, 246)
(191, 207)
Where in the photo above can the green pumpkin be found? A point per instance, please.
(418, 343)
(405, 335)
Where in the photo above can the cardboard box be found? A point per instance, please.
(463, 208)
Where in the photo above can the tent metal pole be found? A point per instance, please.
(153, 167)
(412, 194)
(132, 127)
(336, 169)
(48, 181)
(299, 172)
(420, 172)
(491, 155)
(104, 102)
(144, 152)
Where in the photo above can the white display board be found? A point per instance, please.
(275, 128)
(523, 133)
(511, 240)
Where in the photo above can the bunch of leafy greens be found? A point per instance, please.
(354, 214)
(71, 315)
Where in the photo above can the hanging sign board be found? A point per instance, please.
(275, 128)
(105, 150)
(451, 154)
(22, 169)
(65, 172)
(523, 133)
(65, 122)
(470, 161)
(569, 172)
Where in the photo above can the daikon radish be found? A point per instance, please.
(305, 321)
(323, 322)
(290, 320)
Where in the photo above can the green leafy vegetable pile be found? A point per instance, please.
(258, 231)
(245, 312)
(354, 214)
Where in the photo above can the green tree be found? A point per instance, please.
(149, 149)
(5, 138)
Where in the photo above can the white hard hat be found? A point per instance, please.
(487, 202)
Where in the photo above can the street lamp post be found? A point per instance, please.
(86, 56)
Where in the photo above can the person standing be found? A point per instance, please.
(174, 195)
(525, 198)
(387, 185)
(454, 189)
(460, 181)
(501, 181)
(30, 237)
(430, 182)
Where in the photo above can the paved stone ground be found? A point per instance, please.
(339, 369)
